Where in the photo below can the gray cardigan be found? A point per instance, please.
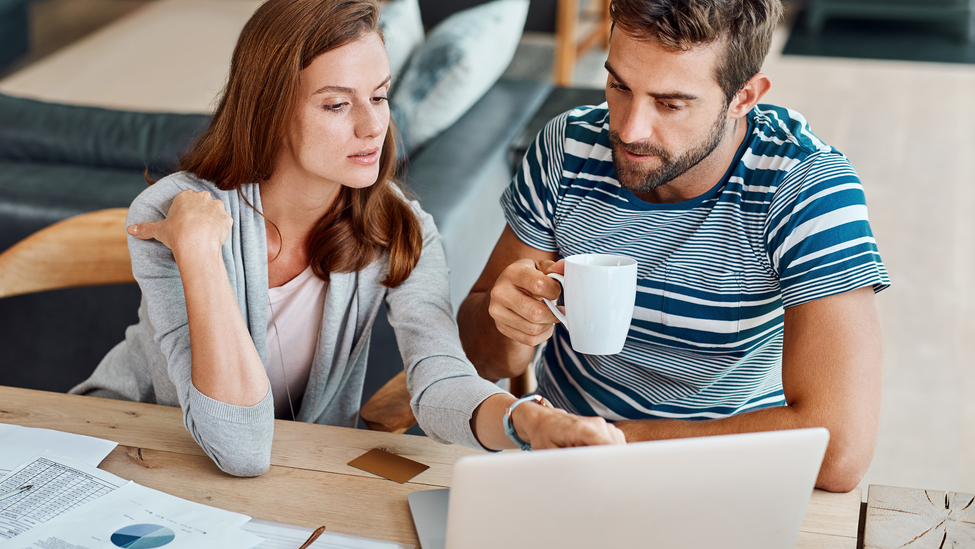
(153, 363)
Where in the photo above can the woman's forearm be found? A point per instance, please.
(225, 363)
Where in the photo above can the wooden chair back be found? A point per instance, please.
(574, 36)
(85, 250)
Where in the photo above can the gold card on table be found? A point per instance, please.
(382, 463)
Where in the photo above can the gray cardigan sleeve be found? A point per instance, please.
(444, 386)
(237, 438)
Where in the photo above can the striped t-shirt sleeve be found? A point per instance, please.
(818, 236)
(529, 201)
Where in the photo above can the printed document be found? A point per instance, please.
(59, 485)
(136, 517)
(278, 535)
(18, 444)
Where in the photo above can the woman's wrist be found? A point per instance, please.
(196, 252)
(526, 417)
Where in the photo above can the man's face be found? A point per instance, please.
(667, 112)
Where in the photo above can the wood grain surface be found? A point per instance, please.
(918, 519)
(310, 482)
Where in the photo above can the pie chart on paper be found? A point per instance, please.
(142, 536)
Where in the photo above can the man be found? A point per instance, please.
(757, 267)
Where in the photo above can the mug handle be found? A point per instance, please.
(551, 304)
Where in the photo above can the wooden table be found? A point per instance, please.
(309, 483)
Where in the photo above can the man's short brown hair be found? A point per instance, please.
(744, 25)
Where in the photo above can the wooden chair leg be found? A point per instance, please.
(566, 28)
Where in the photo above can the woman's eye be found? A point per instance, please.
(380, 99)
(335, 107)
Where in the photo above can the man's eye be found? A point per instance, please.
(615, 86)
(671, 106)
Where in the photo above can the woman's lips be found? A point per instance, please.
(365, 157)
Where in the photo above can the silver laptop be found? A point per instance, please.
(745, 491)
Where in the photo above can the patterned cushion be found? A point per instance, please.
(402, 31)
(460, 60)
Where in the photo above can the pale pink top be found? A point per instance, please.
(295, 312)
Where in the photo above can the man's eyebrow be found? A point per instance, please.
(343, 89)
(669, 95)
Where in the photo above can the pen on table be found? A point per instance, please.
(17, 491)
(311, 539)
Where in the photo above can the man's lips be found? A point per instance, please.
(637, 157)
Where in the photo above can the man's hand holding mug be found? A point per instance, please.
(600, 292)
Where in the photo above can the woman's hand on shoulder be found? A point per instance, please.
(196, 221)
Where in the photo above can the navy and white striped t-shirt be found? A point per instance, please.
(786, 224)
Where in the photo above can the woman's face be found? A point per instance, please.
(341, 116)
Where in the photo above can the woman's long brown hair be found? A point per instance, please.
(249, 127)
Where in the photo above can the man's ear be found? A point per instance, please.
(749, 95)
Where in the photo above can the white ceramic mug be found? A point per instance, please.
(600, 293)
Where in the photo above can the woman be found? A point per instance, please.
(264, 261)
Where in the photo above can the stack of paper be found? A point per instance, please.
(287, 536)
(73, 505)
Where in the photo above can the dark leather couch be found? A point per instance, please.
(14, 30)
(58, 160)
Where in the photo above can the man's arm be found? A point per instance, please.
(832, 370)
(502, 320)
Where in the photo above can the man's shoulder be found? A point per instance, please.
(582, 124)
(596, 115)
(784, 131)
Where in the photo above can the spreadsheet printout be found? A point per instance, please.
(59, 485)
(138, 517)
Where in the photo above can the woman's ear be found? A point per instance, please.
(749, 95)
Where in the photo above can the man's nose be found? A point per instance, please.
(637, 123)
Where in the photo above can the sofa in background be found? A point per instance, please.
(14, 30)
(959, 14)
(58, 160)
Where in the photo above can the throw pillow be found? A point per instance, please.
(460, 60)
(402, 31)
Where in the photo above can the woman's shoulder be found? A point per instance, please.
(155, 200)
(173, 184)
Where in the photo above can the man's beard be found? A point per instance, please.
(629, 174)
